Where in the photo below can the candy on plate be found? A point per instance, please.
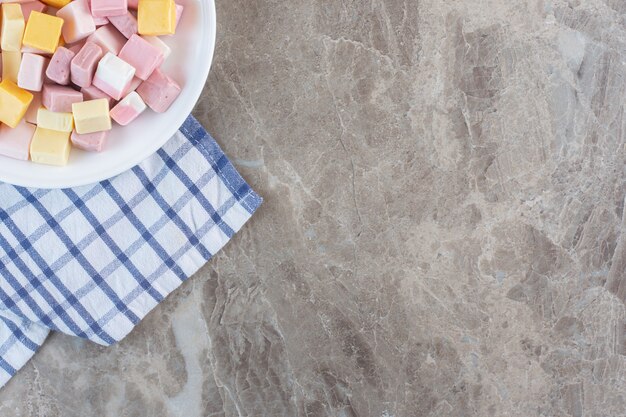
(50, 147)
(91, 116)
(111, 55)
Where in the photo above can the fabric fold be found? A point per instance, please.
(92, 261)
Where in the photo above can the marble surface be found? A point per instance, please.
(443, 232)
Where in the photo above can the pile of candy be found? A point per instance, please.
(69, 67)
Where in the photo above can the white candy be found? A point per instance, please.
(113, 75)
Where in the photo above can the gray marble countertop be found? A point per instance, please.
(443, 230)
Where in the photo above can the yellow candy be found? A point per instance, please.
(61, 122)
(156, 17)
(11, 62)
(43, 32)
(50, 147)
(12, 27)
(57, 4)
(92, 116)
(13, 102)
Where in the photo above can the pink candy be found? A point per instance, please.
(59, 67)
(105, 8)
(126, 24)
(60, 99)
(15, 143)
(31, 73)
(159, 91)
(77, 21)
(93, 93)
(32, 6)
(128, 109)
(93, 142)
(109, 39)
(84, 64)
(141, 55)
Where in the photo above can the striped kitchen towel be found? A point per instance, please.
(92, 261)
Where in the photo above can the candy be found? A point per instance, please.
(136, 82)
(106, 8)
(76, 47)
(159, 91)
(32, 6)
(142, 55)
(33, 108)
(126, 24)
(43, 32)
(113, 76)
(156, 17)
(60, 99)
(62, 122)
(93, 142)
(77, 21)
(57, 4)
(15, 143)
(91, 116)
(108, 38)
(106, 59)
(94, 93)
(31, 73)
(83, 66)
(14, 102)
(128, 109)
(12, 27)
(50, 147)
(155, 41)
(11, 62)
(59, 67)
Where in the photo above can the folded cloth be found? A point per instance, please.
(92, 261)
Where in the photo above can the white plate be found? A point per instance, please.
(189, 63)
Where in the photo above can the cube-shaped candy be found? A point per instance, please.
(106, 8)
(59, 67)
(50, 147)
(128, 109)
(14, 102)
(60, 99)
(133, 4)
(156, 17)
(83, 66)
(11, 62)
(94, 93)
(113, 76)
(12, 27)
(15, 143)
(159, 91)
(43, 32)
(62, 122)
(136, 82)
(31, 73)
(156, 41)
(57, 4)
(126, 24)
(93, 142)
(32, 6)
(108, 38)
(91, 116)
(33, 108)
(142, 55)
(77, 21)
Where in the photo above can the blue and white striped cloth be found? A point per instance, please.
(93, 261)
